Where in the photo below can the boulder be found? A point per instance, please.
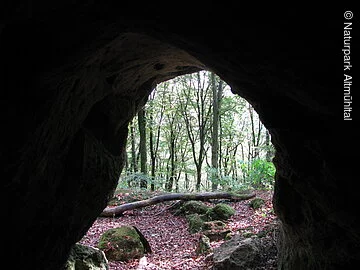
(123, 243)
(194, 207)
(247, 253)
(237, 253)
(86, 258)
(221, 211)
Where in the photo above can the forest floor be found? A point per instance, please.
(173, 247)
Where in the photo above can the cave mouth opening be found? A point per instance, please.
(148, 63)
(171, 113)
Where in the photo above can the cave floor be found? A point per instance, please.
(172, 245)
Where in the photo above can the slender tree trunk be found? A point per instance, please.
(142, 150)
(133, 148)
(198, 178)
(255, 137)
(217, 92)
(254, 152)
(152, 154)
(268, 146)
(186, 181)
(172, 161)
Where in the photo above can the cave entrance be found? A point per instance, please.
(193, 135)
(170, 140)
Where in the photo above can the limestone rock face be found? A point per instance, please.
(69, 88)
(86, 258)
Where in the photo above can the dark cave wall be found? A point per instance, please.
(70, 86)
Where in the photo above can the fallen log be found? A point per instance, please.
(118, 210)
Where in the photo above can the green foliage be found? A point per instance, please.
(227, 182)
(260, 174)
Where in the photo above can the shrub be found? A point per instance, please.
(260, 174)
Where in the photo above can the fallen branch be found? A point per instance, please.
(118, 210)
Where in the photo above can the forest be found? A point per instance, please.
(198, 175)
(193, 134)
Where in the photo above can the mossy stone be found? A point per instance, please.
(194, 207)
(121, 244)
(256, 203)
(84, 258)
(196, 222)
(220, 212)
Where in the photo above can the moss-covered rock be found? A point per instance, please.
(122, 243)
(220, 212)
(194, 207)
(196, 222)
(256, 203)
(86, 258)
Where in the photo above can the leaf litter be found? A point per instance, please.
(173, 247)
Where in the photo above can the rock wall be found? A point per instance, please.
(73, 75)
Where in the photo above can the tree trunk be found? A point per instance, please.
(118, 210)
(268, 147)
(152, 154)
(133, 148)
(198, 177)
(142, 150)
(217, 92)
(171, 175)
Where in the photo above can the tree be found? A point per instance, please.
(133, 148)
(269, 149)
(231, 136)
(142, 148)
(155, 129)
(255, 134)
(196, 112)
(216, 100)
